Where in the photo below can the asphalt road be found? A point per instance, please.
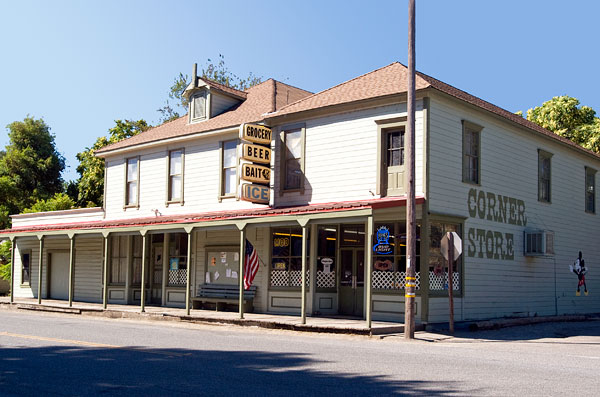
(47, 354)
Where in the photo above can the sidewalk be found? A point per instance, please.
(336, 325)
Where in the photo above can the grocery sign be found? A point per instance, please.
(258, 152)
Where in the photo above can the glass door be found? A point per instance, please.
(157, 274)
(352, 281)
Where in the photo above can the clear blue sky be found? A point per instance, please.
(82, 64)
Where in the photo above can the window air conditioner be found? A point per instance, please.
(538, 243)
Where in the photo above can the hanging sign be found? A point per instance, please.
(256, 173)
(383, 246)
(256, 133)
(255, 193)
(256, 153)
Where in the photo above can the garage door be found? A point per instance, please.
(59, 275)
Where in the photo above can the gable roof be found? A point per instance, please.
(262, 98)
(223, 88)
(392, 80)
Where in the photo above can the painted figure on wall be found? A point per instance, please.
(580, 270)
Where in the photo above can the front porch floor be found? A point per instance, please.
(263, 320)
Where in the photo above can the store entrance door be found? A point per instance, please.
(352, 281)
(157, 274)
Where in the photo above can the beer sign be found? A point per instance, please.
(256, 147)
(256, 153)
(256, 173)
(256, 133)
(255, 193)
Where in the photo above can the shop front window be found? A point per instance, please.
(389, 256)
(178, 259)
(438, 266)
(118, 259)
(286, 257)
(326, 257)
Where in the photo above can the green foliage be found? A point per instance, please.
(30, 168)
(5, 260)
(221, 74)
(71, 188)
(60, 201)
(563, 116)
(213, 71)
(91, 168)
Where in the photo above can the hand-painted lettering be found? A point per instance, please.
(496, 207)
(472, 203)
(491, 244)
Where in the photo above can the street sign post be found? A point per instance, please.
(451, 247)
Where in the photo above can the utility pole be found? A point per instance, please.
(411, 230)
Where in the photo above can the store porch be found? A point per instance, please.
(338, 325)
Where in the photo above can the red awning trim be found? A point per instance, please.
(220, 215)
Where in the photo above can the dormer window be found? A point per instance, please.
(198, 106)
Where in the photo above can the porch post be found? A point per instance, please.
(189, 231)
(41, 256)
(143, 283)
(12, 269)
(105, 281)
(369, 263)
(242, 228)
(165, 269)
(71, 266)
(303, 223)
(312, 266)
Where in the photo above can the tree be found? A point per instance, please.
(60, 201)
(216, 72)
(91, 168)
(30, 168)
(563, 116)
(5, 260)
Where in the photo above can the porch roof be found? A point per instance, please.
(194, 218)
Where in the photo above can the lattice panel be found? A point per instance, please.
(440, 282)
(178, 277)
(285, 278)
(393, 280)
(325, 280)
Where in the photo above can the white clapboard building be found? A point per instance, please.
(181, 200)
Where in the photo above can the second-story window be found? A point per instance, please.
(228, 175)
(544, 176)
(131, 182)
(293, 159)
(175, 182)
(471, 153)
(590, 190)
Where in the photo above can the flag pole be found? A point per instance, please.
(409, 296)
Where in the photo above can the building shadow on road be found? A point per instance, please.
(588, 330)
(67, 370)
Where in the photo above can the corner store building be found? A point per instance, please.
(337, 175)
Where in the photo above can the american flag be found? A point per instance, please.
(250, 265)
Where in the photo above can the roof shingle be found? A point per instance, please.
(261, 99)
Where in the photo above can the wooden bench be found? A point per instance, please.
(222, 295)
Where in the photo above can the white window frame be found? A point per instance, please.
(126, 202)
(283, 158)
(222, 168)
(170, 198)
(200, 94)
